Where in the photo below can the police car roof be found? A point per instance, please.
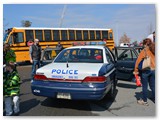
(87, 46)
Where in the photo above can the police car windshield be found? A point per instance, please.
(83, 55)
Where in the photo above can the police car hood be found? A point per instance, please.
(70, 70)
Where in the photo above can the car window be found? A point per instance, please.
(84, 55)
(134, 56)
(49, 54)
(127, 54)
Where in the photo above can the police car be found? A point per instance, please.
(78, 73)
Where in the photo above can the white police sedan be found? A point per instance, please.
(77, 73)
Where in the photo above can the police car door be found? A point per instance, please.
(126, 58)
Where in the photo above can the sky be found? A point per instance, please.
(137, 21)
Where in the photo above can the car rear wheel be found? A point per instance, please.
(111, 93)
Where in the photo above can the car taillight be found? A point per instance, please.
(94, 79)
(40, 77)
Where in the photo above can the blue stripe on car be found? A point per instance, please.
(106, 68)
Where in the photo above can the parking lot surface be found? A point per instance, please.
(124, 104)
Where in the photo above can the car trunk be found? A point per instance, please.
(76, 71)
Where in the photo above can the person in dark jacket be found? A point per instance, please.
(59, 47)
(11, 89)
(35, 56)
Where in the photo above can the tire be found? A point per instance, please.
(111, 93)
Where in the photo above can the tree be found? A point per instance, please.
(124, 39)
(26, 23)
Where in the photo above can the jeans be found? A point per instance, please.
(35, 62)
(9, 101)
(148, 77)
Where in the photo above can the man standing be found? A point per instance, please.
(35, 56)
(59, 47)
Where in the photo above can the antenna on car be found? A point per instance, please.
(67, 61)
(67, 64)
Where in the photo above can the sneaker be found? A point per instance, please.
(9, 114)
(141, 102)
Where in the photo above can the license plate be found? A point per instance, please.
(64, 95)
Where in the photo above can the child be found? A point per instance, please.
(11, 90)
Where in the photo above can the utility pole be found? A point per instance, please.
(62, 17)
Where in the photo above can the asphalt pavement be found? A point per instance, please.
(124, 104)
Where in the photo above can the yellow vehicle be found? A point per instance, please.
(18, 38)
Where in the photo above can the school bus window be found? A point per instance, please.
(71, 35)
(47, 35)
(38, 34)
(29, 35)
(110, 35)
(56, 35)
(64, 34)
(104, 34)
(92, 35)
(98, 35)
(79, 35)
(85, 34)
(18, 37)
(10, 41)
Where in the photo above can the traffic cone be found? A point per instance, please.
(138, 81)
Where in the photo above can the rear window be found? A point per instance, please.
(80, 56)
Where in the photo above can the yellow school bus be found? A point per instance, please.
(18, 38)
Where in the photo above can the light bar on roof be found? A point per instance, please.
(89, 43)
